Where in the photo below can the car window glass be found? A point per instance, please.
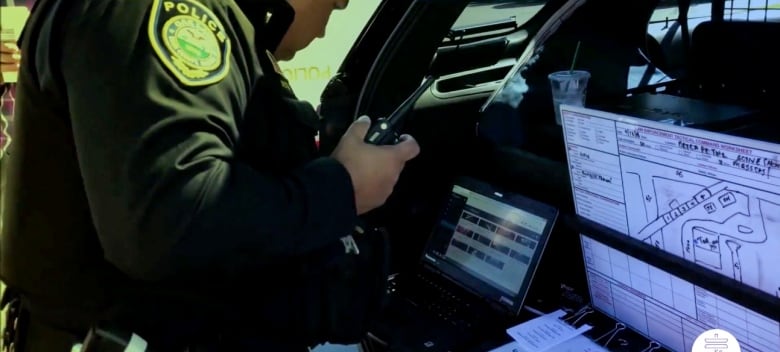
(312, 68)
(662, 54)
(752, 10)
(664, 29)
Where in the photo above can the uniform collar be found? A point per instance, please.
(274, 62)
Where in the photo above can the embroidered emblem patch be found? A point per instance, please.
(190, 41)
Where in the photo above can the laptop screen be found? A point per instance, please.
(490, 242)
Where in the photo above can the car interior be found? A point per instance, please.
(702, 64)
(698, 65)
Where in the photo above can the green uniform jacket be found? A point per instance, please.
(159, 159)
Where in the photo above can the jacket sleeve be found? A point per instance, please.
(166, 191)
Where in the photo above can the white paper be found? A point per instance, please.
(136, 344)
(545, 332)
(709, 198)
(579, 343)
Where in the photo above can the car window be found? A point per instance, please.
(484, 12)
(752, 10)
(701, 10)
(313, 67)
(664, 28)
(663, 47)
(667, 13)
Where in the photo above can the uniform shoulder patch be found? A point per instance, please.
(190, 41)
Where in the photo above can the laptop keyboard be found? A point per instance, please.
(440, 302)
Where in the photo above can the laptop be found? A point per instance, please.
(476, 268)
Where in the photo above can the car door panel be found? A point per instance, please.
(457, 58)
(445, 118)
(479, 82)
(474, 69)
(445, 123)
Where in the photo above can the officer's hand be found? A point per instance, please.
(374, 169)
(9, 58)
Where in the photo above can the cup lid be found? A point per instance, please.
(569, 74)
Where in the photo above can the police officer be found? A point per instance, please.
(164, 178)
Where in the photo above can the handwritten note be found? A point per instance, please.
(545, 332)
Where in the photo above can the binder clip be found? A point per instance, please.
(578, 315)
(609, 335)
(652, 347)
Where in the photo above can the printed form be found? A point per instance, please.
(710, 198)
(666, 308)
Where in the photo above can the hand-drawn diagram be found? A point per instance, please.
(723, 226)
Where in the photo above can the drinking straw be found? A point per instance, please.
(574, 60)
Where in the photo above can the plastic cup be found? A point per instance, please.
(568, 88)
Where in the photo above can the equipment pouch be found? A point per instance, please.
(347, 287)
